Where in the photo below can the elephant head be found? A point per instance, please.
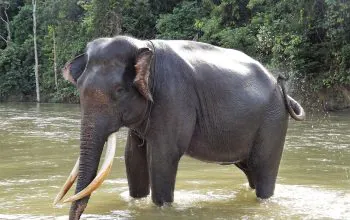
(112, 78)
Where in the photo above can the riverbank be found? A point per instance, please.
(327, 99)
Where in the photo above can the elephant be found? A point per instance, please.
(177, 98)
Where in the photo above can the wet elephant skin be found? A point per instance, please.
(178, 97)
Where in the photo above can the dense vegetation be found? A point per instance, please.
(308, 39)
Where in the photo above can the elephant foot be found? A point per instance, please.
(162, 201)
(263, 195)
(265, 192)
(265, 185)
(139, 193)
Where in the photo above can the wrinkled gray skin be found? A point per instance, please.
(214, 104)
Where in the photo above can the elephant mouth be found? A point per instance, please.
(98, 180)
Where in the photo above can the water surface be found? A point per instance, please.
(39, 145)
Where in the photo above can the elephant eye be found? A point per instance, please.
(120, 89)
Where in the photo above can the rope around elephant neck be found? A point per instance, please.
(149, 103)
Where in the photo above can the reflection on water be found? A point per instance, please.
(40, 143)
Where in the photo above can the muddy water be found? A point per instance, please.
(40, 143)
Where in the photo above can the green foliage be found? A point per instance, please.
(308, 38)
(226, 25)
(16, 71)
(180, 24)
(138, 19)
(22, 25)
(99, 20)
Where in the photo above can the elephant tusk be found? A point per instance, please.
(103, 173)
(68, 184)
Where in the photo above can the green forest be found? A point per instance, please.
(307, 40)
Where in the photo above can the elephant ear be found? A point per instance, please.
(74, 68)
(143, 70)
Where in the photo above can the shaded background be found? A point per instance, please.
(308, 40)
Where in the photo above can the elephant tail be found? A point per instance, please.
(294, 108)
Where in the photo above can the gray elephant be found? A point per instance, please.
(176, 97)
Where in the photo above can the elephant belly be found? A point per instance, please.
(222, 147)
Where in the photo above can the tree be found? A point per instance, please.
(54, 58)
(4, 6)
(308, 38)
(102, 21)
(36, 67)
(181, 23)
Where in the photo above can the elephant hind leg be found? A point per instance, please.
(136, 167)
(264, 164)
(265, 157)
(249, 174)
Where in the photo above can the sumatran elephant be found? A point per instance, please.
(176, 97)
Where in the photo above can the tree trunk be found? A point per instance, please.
(7, 24)
(36, 68)
(54, 58)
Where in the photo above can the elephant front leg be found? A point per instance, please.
(163, 164)
(136, 166)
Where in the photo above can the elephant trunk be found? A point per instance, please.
(94, 131)
(91, 145)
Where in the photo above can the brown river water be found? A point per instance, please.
(39, 145)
